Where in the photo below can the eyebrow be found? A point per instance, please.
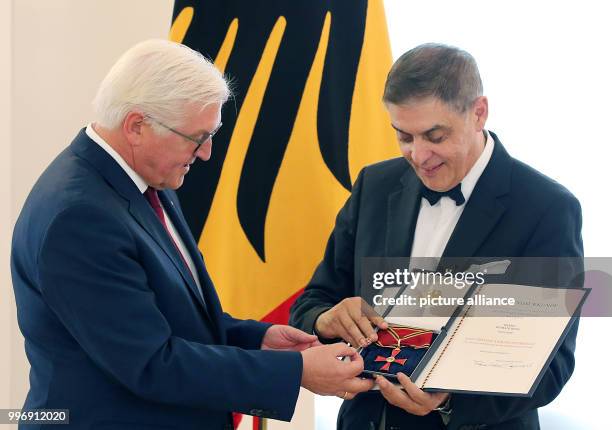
(203, 130)
(428, 131)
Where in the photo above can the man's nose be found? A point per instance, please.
(420, 153)
(202, 151)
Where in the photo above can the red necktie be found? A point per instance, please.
(153, 199)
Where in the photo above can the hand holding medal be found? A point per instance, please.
(352, 320)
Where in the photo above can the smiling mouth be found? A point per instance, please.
(432, 171)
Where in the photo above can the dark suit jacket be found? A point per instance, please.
(514, 211)
(115, 329)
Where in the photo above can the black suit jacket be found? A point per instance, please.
(115, 328)
(514, 211)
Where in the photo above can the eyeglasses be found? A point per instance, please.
(198, 142)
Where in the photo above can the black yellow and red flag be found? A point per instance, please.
(307, 115)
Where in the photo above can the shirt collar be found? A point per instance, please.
(135, 177)
(469, 182)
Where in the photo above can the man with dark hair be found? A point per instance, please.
(460, 194)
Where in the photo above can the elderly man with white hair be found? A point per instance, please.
(121, 321)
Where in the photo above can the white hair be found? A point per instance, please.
(158, 78)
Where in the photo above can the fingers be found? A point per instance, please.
(351, 320)
(345, 395)
(353, 367)
(342, 350)
(357, 357)
(353, 334)
(301, 347)
(355, 321)
(357, 360)
(357, 385)
(397, 397)
(284, 337)
(379, 322)
(412, 390)
(373, 317)
(429, 400)
(301, 342)
(350, 368)
(296, 335)
(300, 336)
(366, 328)
(413, 399)
(361, 319)
(324, 374)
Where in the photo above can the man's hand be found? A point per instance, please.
(351, 320)
(324, 374)
(284, 337)
(412, 399)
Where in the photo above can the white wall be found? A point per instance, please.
(56, 52)
(6, 293)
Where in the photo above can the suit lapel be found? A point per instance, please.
(481, 214)
(208, 290)
(403, 210)
(484, 208)
(138, 207)
(145, 216)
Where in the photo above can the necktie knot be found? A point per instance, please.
(434, 197)
(153, 199)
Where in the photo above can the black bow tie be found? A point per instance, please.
(434, 197)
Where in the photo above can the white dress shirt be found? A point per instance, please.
(142, 187)
(436, 223)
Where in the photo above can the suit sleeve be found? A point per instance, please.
(247, 334)
(92, 279)
(333, 279)
(558, 234)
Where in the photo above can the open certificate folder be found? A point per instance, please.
(492, 349)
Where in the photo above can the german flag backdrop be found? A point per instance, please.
(307, 115)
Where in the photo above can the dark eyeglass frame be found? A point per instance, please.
(198, 142)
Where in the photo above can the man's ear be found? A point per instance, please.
(481, 112)
(133, 128)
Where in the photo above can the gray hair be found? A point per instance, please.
(444, 72)
(158, 78)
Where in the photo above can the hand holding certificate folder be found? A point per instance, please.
(479, 349)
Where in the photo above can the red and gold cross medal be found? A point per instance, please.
(395, 337)
(391, 359)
